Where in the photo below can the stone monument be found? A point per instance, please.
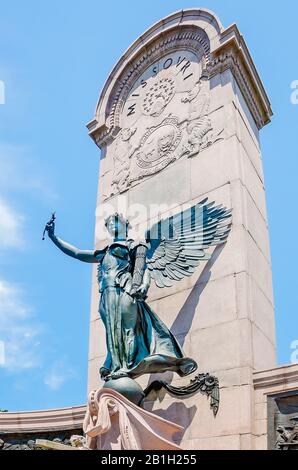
(177, 121)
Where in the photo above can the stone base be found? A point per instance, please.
(113, 422)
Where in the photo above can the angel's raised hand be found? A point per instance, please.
(50, 228)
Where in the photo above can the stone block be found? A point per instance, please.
(180, 412)
(243, 299)
(97, 347)
(246, 115)
(245, 343)
(253, 183)
(217, 347)
(94, 297)
(220, 160)
(261, 442)
(258, 267)
(251, 149)
(261, 427)
(230, 120)
(221, 90)
(246, 212)
(234, 377)
(254, 305)
(94, 380)
(214, 443)
(262, 311)
(261, 411)
(204, 305)
(260, 396)
(246, 441)
(230, 419)
(171, 187)
(264, 350)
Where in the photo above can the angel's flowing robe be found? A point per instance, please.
(137, 341)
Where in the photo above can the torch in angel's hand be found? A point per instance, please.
(49, 225)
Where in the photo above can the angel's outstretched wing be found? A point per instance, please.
(178, 244)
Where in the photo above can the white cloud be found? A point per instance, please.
(19, 331)
(21, 176)
(11, 224)
(58, 375)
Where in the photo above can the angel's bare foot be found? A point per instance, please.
(104, 373)
(117, 375)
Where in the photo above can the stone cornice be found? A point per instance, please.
(278, 376)
(233, 54)
(42, 420)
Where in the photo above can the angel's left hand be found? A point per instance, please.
(141, 292)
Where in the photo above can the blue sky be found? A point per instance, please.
(54, 59)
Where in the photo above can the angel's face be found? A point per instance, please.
(116, 227)
(111, 225)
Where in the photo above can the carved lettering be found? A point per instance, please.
(131, 109)
(185, 67)
(168, 63)
(190, 75)
(180, 60)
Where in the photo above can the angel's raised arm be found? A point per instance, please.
(82, 255)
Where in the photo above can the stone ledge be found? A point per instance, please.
(42, 420)
(277, 376)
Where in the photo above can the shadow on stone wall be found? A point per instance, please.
(178, 412)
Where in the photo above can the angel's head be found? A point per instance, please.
(117, 226)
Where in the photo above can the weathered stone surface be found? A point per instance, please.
(215, 443)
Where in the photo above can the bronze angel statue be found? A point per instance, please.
(137, 341)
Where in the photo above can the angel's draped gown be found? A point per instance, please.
(138, 342)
